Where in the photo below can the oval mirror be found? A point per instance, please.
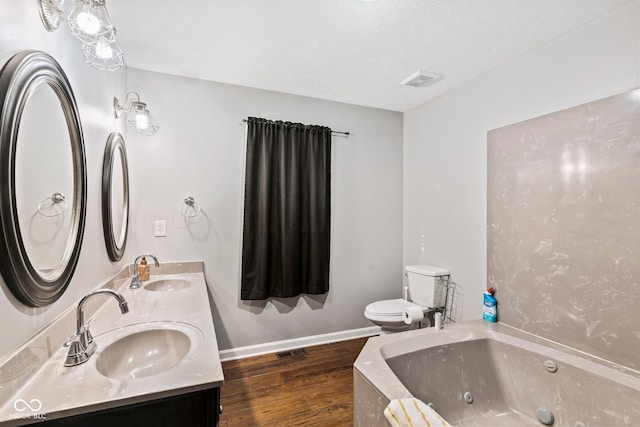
(115, 196)
(42, 179)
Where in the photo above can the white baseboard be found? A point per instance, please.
(277, 346)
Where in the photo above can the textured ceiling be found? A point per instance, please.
(352, 51)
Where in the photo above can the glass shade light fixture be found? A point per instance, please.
(105, 54)
(90, 23)
(138, 116)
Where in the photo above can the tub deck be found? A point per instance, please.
(501, 370)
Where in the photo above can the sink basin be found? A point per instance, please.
(143, 353)
(167, 285)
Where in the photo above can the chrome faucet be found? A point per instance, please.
(81, 344)
(135, 279)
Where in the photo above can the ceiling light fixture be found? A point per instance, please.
(421, 79)
(89, 22)
(138, 116)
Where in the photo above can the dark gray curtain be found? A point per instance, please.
(287, 210)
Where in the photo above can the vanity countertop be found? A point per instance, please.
(34, 384)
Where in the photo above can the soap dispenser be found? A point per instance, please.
(143, 270)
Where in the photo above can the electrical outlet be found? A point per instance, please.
(161, 228)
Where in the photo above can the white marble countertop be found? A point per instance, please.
(34, 384)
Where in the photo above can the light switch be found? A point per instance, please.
(161, 228)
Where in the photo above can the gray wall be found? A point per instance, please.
(563, 226)
(20, 28)
(445, 141)
(200, 151)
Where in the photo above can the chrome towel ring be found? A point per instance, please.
(51, 201)
(189, 208)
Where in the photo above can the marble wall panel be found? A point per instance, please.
(563, 243)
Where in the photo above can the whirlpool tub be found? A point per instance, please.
(479, 374)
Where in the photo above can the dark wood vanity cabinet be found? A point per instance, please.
(197, 409)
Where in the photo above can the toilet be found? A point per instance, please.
(427, 290)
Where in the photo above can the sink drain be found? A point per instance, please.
(544, 416)
(468, 398)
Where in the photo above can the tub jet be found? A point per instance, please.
(544, 416)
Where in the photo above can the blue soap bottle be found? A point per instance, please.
(489, 306)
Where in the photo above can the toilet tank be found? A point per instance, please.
(427, 285)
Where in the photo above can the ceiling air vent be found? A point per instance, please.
(420, 79)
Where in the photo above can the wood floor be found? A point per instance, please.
(312, 389)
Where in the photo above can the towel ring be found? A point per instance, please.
(189, 203)
(53, 200)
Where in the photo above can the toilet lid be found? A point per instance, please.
(390, 307)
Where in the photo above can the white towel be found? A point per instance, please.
(412, 413)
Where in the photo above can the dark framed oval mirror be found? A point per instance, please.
(42, 179)
(115, 196)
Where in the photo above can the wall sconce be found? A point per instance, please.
(105, 54)
(138, 116)
(50, 14)
(89, 22)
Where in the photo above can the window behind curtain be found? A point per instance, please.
(287, 210)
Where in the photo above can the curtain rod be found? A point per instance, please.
(333, 131)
